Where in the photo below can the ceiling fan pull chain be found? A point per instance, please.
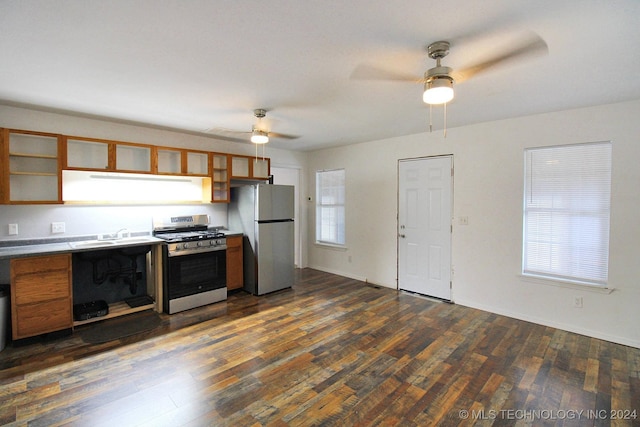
(430, 122)
(445, 120)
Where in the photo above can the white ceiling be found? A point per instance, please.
(197, 64)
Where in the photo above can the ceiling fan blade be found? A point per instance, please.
(369, 72)
(241, 136)
(282, 135)
(530, 46)
(228, 134)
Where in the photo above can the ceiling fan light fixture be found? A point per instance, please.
(438, 90)
(259, 136)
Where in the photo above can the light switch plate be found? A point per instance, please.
(13, 229)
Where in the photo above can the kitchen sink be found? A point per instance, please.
(128, 240)
(91, 244)
(84, 244)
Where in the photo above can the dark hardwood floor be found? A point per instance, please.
(331, 351)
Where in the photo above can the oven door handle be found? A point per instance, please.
(198, 250)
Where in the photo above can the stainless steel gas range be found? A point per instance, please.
(194, 262)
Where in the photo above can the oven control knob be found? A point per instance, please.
(212, 242)
(186, 246)
(199, 244)
(219, 241)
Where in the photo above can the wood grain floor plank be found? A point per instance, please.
(330, 351)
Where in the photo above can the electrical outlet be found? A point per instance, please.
(577, 302)
(463, 220)
(13, 229)
(57, 227)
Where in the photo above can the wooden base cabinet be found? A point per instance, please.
(41, 296)
(235, 274)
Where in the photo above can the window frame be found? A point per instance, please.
(340, 207)
(566, 221)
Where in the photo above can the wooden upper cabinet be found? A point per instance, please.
(175, 161)
(104, 155)
(260, 168)
(32, 164)
(240, 167)
(168, 161)
(220, 192)
(30, 172)
(249, 167)
(133, 158)
(197, 163)
(88, 154)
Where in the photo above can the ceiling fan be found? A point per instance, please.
(259, 133)
(438, 81)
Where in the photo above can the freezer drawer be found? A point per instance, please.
(274, 257)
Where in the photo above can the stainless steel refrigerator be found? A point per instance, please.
(264, 213)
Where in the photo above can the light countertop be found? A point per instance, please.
(35, 247)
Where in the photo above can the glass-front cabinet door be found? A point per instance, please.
(240, 167)
(85, 154)
(30, 167)
(133, 158)
(260, 168)
(169, 161)
(197, 163)
(249, 167)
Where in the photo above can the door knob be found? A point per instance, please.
(402, 235)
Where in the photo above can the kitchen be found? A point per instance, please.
(33, 222)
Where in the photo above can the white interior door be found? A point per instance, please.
(424, 225)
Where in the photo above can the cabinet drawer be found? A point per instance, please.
(41, 318)
(40, 264)
(39, 279)
(31, 288)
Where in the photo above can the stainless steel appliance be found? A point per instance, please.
(194, 262)
(264, 213)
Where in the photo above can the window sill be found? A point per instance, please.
(331, 246)
(565, 284)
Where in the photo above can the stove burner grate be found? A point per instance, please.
(187, 236)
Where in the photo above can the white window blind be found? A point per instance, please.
(566, 212)
(330, 207)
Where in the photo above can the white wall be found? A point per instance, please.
(488, 182)
(291, 176)
(34, 221)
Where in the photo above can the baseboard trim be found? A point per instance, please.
(351, 276)
(558, 325)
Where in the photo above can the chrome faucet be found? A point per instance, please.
(120, 234)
